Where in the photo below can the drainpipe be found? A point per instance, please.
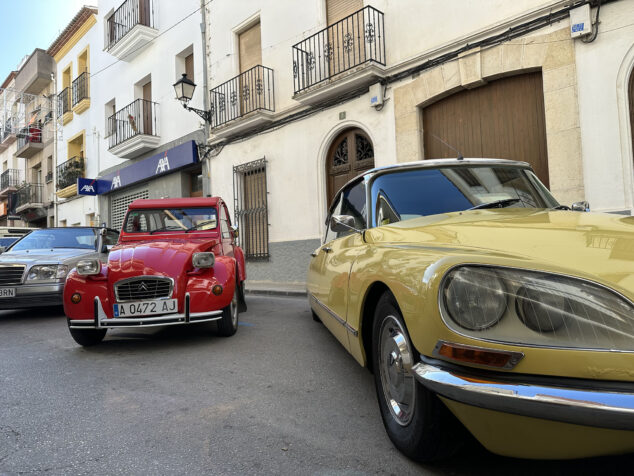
(205, 166)
(54, 105)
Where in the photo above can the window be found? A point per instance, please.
(189, 66)
(111, 238)
(224, 223)
(251, 212)
(110, 110)
(172, 219)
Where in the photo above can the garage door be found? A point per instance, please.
(503, 119)
(119, 206)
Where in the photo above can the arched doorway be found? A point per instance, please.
(350, 154)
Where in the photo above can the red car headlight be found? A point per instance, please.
(203, 260)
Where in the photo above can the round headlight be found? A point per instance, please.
(541, 310)
(203, 260)
(88, 267)
(475, 298)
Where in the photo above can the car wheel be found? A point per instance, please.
(242, 303)
(88, 337)
(415, 419)
(228, 324)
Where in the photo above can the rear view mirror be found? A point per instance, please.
(343, 223)
(234, 230)
(581, 206)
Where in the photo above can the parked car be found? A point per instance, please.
(34, 269)
(470, 292)
(176, 262)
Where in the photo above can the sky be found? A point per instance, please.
(29, 24)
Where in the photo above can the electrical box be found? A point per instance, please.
(376, 95)
(580, 22)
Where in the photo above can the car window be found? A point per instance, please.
(224, 226)
(170, 219)
(353, 203)
(82, 238)
(111, 238)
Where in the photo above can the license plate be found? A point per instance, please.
(7, 292)
(145, 308)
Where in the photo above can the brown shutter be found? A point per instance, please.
(189, 66)
(147, 108)
(338, 9)
(250, 48)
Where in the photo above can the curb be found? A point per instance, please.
(272, 292)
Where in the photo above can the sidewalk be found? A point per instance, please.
(276, 288)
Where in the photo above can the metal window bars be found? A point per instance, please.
(355, 40)
(29, 193)
(63, 102)
(138, 117)
(126, 17)
(30, 134)
(250, 91)
(251, 209)
(69, 172)
(80, 88)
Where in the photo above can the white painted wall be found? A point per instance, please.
(603, 71)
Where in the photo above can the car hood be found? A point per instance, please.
(55, 255)
(583, 244)
(170, 257)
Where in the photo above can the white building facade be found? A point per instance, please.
(304, 99)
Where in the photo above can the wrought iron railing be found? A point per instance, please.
(27, 135)
(251, 208)
(63, 102)
(138, 117)
(6, 130)
(69, 172)
(10, 178)
(357, 39)
(29, 193)
(250, 91)
(80, 88)
(126, 17)
(49, 177)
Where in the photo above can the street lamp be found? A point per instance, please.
(184, 88)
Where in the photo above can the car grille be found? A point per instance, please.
(138, 289)
(11, 275)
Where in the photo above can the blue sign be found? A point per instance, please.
(159, 164)
(577, 27)
(86, 186)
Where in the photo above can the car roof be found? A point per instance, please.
(175, 202)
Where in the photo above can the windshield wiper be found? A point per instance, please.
(165, 228)
(202, 223)
(496, 204)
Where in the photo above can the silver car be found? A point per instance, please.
(33, 270)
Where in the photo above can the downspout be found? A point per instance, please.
(205, 165)
(54, 105)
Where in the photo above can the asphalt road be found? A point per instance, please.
(280, 397)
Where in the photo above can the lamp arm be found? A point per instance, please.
(206, 115)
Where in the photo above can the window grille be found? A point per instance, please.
(119, 206)
(251, 209)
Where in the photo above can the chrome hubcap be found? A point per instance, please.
(395, 362)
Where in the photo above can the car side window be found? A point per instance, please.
(224, 225)
(111, 238)
(336, 210)
(353, 203)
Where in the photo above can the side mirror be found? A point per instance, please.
(343, 223)
(581, 206)
(234, 230)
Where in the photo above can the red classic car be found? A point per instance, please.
(176, 262)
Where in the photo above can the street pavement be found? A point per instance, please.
(280, 397)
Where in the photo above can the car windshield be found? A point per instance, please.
(82, 238)
(413, 193)
(170, 219)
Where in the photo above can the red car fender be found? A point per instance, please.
(88, 287)
(200, 286)
(242, 269)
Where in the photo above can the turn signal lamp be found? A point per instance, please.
(217, 290)
(88, 267)
(75, 298)
(467, 354)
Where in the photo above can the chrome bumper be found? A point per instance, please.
(101, 321)
(611, 408)
(34, 295)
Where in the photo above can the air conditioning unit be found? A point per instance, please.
(580, 22)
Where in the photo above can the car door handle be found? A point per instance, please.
(327, 249)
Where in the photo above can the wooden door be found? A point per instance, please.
(147, 109)
(341, 50)
(250, 44)
(350, 154)
(145, 12)
(504, 119)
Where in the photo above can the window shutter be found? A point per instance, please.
(250, 48)
(338, 9)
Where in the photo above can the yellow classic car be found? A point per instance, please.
(478, 301)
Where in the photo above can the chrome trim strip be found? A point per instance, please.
(514, 356)
(141, 278)
(445, 319)
(600, 409)
(341, 321)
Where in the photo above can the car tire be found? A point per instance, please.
(416, 421)
(228, 324)
(88, 337)
(242, 302)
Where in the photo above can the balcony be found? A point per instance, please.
(67, 175)
(134, 129)
(249, 97)
(35, 75)
(7, 136)
(30, 202)
(344, 56)
(29, 141)
(129, 28)
(81, 93)
(10, 180)
(64, 107)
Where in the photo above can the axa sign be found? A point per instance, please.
(87, 186)
(88, 189)
(163, 165)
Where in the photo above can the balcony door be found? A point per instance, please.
(145, 12)
(250, 43)
(147, 109)
(340, 51)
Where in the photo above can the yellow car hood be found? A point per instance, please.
(596, 246)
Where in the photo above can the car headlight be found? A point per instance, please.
(535, 308)
(203, 260)
(88, 267)
(47, 272)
